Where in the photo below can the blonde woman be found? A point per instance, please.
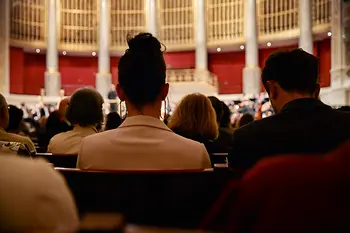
(195, 118)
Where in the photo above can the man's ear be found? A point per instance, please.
(165, 91)
(121, 93)
(272, 86)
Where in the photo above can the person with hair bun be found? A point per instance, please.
(142, 141)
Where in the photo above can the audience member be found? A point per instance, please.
(55, 124)
(16, 124)
(34, 197)
(225, 123)
(112, 96)
(195, 118)
(302, 123)
(85, 113)
(4, 123)
(142, 141)
(245, 119)
(222, 143)
(113, 121)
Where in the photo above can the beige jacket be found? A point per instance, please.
(68, 143)
(141, 143)
(33, 196)
(10, 137)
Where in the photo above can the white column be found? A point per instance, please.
(104, 77)
(305, 25)
(201, 41)
(151, 11)
(251, 71)
(340, 55)
(338, 45)
(52, 76)
(4, 47)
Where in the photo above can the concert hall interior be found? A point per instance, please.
(160, 115)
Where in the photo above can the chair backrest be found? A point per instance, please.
(218, 158)
(67, 161)
(163, 198)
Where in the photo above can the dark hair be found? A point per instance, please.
(142, 69)
(15, 118)
(245, 119)
(226, 116)
(217, 105)
(294, 70)
(85, 107)
(113, 121)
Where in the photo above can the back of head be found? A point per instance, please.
(217, 105)
(113, 121)
(142, 70)
(85, 108)
(294, 71)
(245, 119)
(195, 118)
(62, 107)
(4, 115)
(15, 119)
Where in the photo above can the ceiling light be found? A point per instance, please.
(241, 47)
(64, 53)
(93, 53)
(329, 34)
(268, 44)
(37, 50)
(218, 49)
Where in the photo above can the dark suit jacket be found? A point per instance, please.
(303, 126)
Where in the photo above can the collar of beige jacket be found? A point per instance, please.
(142, 120)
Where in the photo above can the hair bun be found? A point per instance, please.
(144, 42)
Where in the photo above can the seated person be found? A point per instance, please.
(113, 121)
(34, 197)
(85, 113)
(16, 124)
(302, 123)
(223, 114)
(245, 119)
(4, 123)
(195, 118)
(142, 141)
(56, 123)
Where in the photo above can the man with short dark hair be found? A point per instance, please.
(302, 123)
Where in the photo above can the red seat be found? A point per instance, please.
(290, 194)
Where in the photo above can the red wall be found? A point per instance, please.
(178, 60)
(77, 72)
(324, 55)
(27, 70)
(34, 73)
(114, 69)
(228, 67)
(16, 70)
